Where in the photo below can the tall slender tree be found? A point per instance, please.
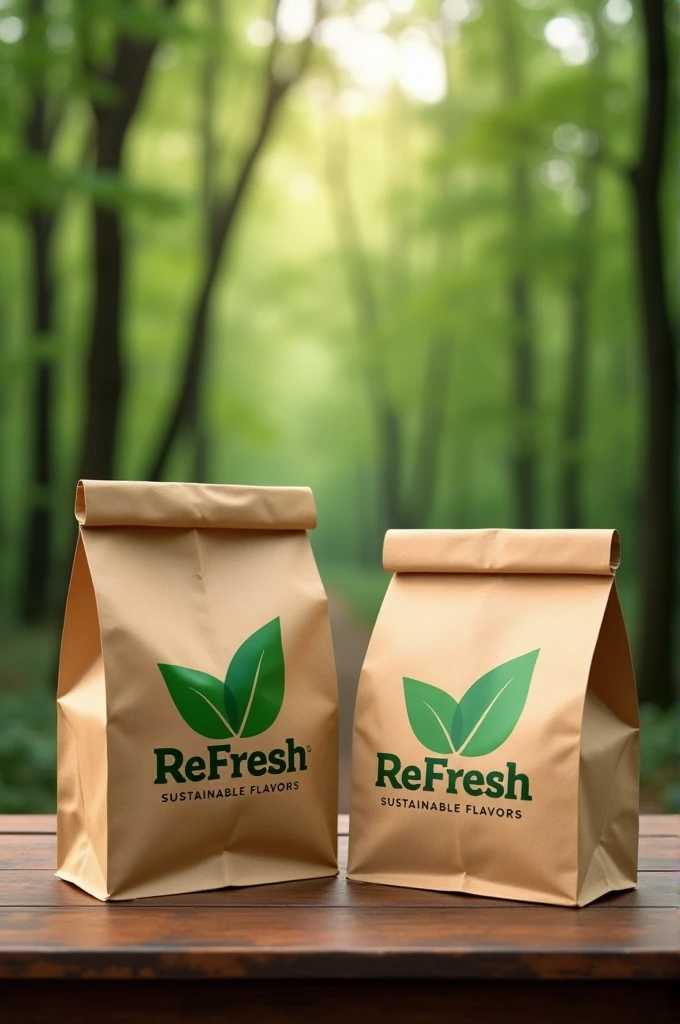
(41, 127)
(524, 462)
(226, 203)
(576, 375)
(125, 78)
(579, 301)
(659, 541)
(365, 302)
(210, 155)
(406, 499)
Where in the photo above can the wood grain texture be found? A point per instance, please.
(28, 823)
(38, 851)
(265, 942)
(327, 929)
(660, 825)
(333, 1002)
(650, 824)
(20, 888)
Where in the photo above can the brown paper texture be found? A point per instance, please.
(196, 644)
(495, 741)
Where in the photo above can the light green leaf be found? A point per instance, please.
(430, 712)
(199, 698)
(489, 711)
(253, 689)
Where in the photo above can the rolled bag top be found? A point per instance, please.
(541, 552)
(101, 503)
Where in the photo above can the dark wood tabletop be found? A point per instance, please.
(328, 948)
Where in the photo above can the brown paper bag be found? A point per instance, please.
(197, 721)
(496, 727)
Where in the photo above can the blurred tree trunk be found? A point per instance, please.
(36, 568)
(196, 415)
(126, 78)
(571, 470)
(40, 132)
(399, 506)
(431, 413)
(570, 486)
(431, 430)
(659, 499)
(225, 208)
(397, 154)
(369, 539)
(36, 573)
(459, 511)
(520, 300)
(524, 458)
(362, 293)
(461, 506)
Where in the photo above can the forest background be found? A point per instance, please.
(419, 255)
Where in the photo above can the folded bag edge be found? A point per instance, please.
(542, 552)
(102, 503)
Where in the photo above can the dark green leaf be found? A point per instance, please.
(490, 710)
(430, 712)
(199, 699)
(253, 689)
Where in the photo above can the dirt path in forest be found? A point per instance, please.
(350, 640)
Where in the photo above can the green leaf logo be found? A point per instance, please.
(199, 699)
(255, 680)
(483, 718)
(430, 712)
(247, 702)
(490, 710)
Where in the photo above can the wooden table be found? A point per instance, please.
(332, 950)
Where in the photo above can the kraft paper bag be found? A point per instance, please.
(197, 705)
(496, 728)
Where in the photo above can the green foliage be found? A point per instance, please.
(660, 754)
(363, 589)
(380, 231)
(27, 753)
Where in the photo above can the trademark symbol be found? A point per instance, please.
(308, 747)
